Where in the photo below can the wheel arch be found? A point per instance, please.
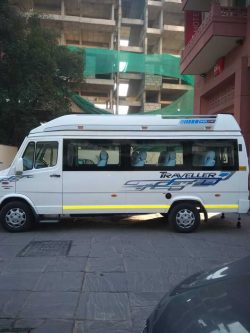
(190, 200)
(21, 198)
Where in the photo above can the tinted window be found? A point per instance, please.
(182, 155)
(157, 155)
(215, 154)
(40, 155)
(46, 154)
(91, 155)
(28, 156)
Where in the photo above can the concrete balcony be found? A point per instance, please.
(173, 36)
(154, 3)
(129, 101)
(104, 24)
(95, 81)
(173, 28)
(176, 87)
(172, 6)
(135, 49)
(91, 85)
(221, 31)
(131, 21)
(124, 77)
(153, 32)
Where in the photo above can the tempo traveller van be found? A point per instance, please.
(79, 164)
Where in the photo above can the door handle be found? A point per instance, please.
(56, 176)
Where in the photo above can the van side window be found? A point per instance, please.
(28, 156)
(46, 154)
(81, 154)
(150, 154)
(214, 154)
(157, 155)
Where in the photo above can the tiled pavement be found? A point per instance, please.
(115, 272)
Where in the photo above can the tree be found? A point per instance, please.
(36, 74)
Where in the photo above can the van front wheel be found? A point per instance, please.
(184, 217)
(16, 216)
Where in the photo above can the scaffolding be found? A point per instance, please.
(141, 29)
(104, 61)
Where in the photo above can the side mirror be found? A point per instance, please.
(19, 166)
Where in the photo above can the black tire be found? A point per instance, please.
(16, 216)
(165, 217)
(184, 217)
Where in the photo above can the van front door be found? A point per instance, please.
(41, 181)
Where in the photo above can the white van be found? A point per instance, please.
(80, 164)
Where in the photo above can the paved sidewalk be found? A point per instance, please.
(104, 275)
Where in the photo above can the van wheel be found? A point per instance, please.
(184, 217)
(16, 216)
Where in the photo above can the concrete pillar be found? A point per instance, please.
(242, 98)
(80, 35)
(62, 8)
(111, 44)
(145, 27)
(145, 47)
(198, 100)
(111, 102)
(119, 18)
(112, 16)
(62, 41)
(162, 29)
(81, 5)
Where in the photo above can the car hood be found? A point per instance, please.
(216, 301)
(227, 271)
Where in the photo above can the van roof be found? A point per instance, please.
(80, 122)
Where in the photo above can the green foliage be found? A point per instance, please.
(37, 75)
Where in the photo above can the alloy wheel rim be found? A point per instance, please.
(15, 217)
(185, 218)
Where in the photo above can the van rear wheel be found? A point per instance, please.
(184, 217)
(16, 216)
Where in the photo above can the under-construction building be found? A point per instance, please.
(136, 26)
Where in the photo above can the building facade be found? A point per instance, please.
(140, 27)
(217, 51)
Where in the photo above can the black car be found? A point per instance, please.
(217, 301)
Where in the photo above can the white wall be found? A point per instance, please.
(7, 154)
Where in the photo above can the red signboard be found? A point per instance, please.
(219, 66)
(192, 22)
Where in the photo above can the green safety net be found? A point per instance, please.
(104, 61)
(182, 106)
